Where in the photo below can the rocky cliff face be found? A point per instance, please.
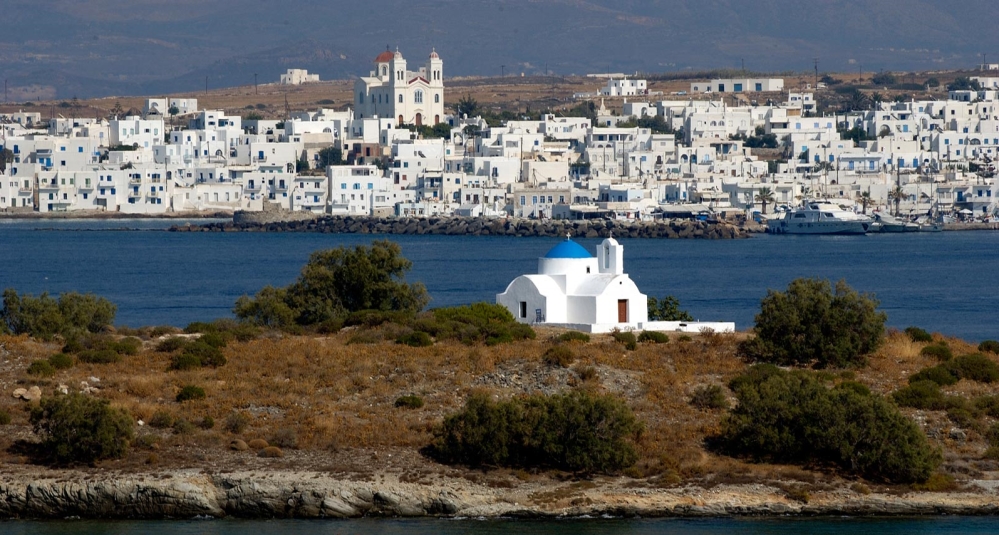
(314, 495)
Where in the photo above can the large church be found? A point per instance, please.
(410, 97)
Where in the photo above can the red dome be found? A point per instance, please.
(384, 57)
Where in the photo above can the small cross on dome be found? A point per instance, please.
(568, 235)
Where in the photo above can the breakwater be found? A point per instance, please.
(458, 226)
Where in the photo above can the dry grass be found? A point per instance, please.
(331, 403)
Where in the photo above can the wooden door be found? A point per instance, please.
(622, 311)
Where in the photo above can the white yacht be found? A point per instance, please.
(819, 217)
(887, 223)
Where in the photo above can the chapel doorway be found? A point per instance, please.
(622, 311)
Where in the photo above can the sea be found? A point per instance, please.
(944, 282)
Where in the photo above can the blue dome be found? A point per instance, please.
(568, 249)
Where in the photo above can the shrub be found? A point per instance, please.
(963, 417)
(573, 336)
(99, 356)
(684, 338)
(939, 351)
(185, 361)
(161, 420)
(4, 417)
(207, 423)
(44, 316)
(416, 339)
(586, 373)
(577, 431)
(792, 417)
(214, 339)
(976, 367)
(937, 483)
(409, 402)
(190, 392)
(61, 361)
(667, 309)
(236, 422)
(812, 323)
(627, 338)
(653, 337)
(989, 346)
(925, 395)
(918, 335)
(128, 346)
(198, 354)
(992, 435)
(475, 323)
(269, 308)
(709, 397)
(79, 428)
(989, 405)
(182, 426)
(41, 368)
(560, 356)
(171, 344)
(271, 452)
(374, 318)
(940, 375)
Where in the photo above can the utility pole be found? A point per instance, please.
(255, 84)
(816, 74)
(502, 71)
(5, 91)
(206, 85)
(743, 60)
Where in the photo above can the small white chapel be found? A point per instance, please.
(576, 290)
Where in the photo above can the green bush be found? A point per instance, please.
(475, 323)
(925, 395)
(183, 427)
(198, 354)
(667, 309)
(4, 417)
(374, 318)
(127, 346)
(41, 368)
(61, 361)
(989, 346)
(939, 351)
(171, 344)
(709, 397)
(989, 405)
(940, 375)
(226, 328)
(190, 392)
(416, 339)
(207, 423)
(44, 316)
(653, 337)
(992, 435)
(627, 338)
(573, 336)
(99, 356)
(963, 417)
(409, 402)
(976, 367)
(813, 323)
(79, 428)
(918, 335)
(577, 431)
(792, 417)
(185, 361)
(558, 356)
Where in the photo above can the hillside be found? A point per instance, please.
(112, 47)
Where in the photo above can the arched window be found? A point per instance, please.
(437, 98)
(360, 97)
(384, 70)
(400, 99)
(418, 97)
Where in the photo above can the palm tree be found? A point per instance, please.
(865, 199)
(896, 195)
(765, 196)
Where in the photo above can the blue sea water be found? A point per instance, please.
(945, 282)
(778, 526)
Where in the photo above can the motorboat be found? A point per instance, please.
(819, 217)
(887, 223)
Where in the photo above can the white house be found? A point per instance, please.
(298, 77)
(739, 85)
(624, 88)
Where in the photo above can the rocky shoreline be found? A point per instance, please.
(317, 495)
(456, 226)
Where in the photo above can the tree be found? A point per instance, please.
(336, 282)
(667, 309)
(858, 100)
(330, 156)
(116, 110)
(811, 323)
(884, 79)
(964, 83)
(6, 157)
(467, 106)
(173, 111)
(932, 82)
(865, 199)
(793, 417)
(44, 316)
(253, 116)
(80, 428)
(766, 195)
(896, 195)
(301, 165)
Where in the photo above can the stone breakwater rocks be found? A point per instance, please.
(314, 495)
(482, 227)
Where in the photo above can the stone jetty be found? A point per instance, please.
(457, 226)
